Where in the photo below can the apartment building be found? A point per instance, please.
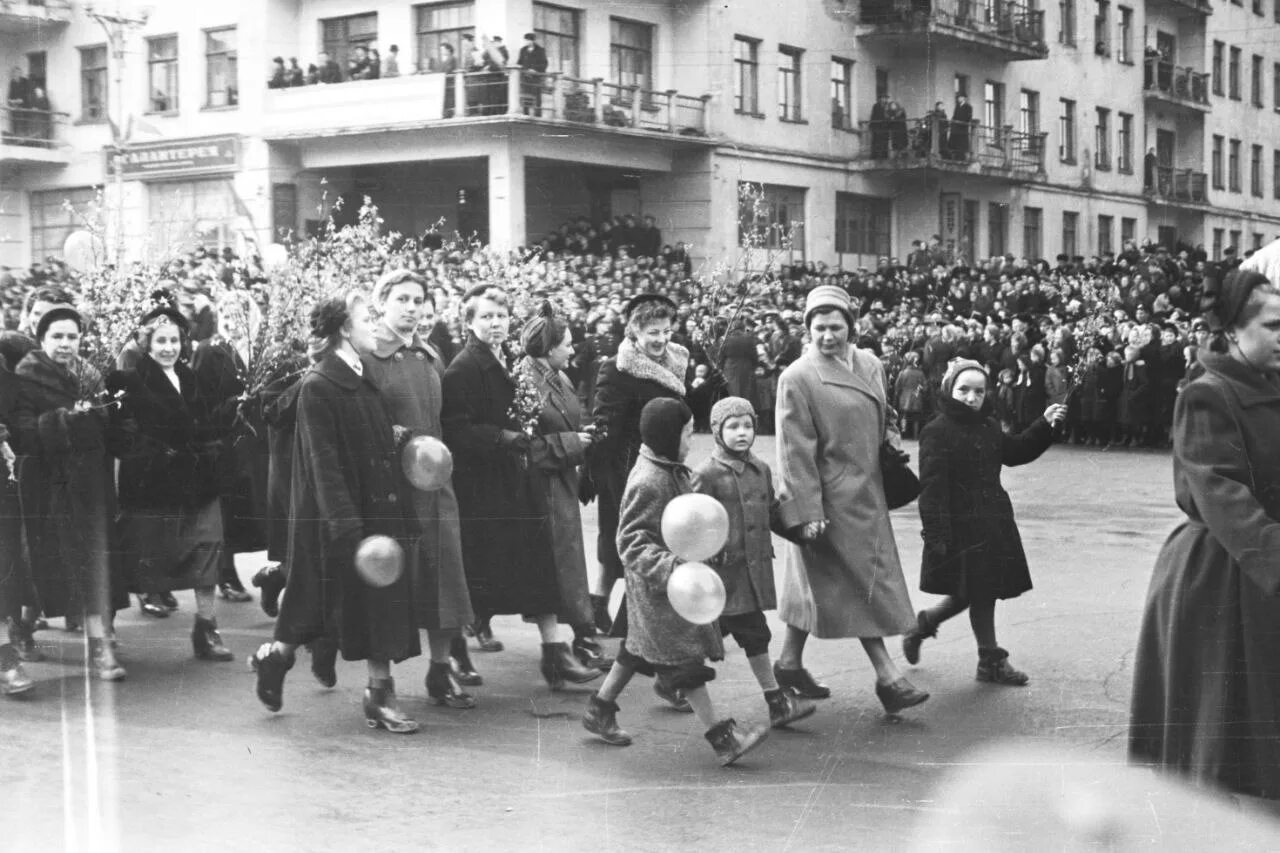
(1092, 122)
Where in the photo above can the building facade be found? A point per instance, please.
(1090, 122)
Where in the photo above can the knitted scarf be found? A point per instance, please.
(669, 371)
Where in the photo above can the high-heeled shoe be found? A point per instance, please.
(207, 642)
(234, 592)
(324, 660)
(591, 653)
(271, 667)
(899, 695)
(102, 661)
(270, 580)
(560, 666)
(460, 658)
(381, 710)
(442, 689)
(800, 682)
(484, 637)
(153, 605)
(22, 637)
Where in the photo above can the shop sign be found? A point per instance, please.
(176, 158)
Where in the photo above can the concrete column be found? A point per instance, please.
(506, 198)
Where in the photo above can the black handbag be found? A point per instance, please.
(901, 485)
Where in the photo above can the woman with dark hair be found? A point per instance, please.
(1206, 689)
(170, 477)
(65, 472)
(346, 487)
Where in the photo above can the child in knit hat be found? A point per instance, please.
(738, 479)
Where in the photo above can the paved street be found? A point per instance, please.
(182, 757)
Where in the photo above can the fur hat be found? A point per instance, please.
(53, 315)
(661, 422)
(729, 407)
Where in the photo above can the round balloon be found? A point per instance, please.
(81, 250)
(696, 593)
(695, 527)
(427, 463)
(275, 256)
(379, 560)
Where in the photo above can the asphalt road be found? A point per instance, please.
(182, 757)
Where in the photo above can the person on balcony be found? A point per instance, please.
(935, 120)
(532, 60)
(279, 79)
(471, 62)
(447, 64)
(1150, 165)
(896, 116)
(958, 132)
(295, 77)
(330, 71)
(18, 102)
(880, 128)
(391, 66)
(496, 58)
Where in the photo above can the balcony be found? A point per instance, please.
(1180, 187)
(1005, 30)
(1200, 7)
(1176, 85)
(417, 100)
(929, 143)
(33, 137)
(23, 17)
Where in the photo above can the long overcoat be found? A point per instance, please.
(279, 403)
(506, 533)
(832, 419)
(1206, 686)
(972, 548)
(410, 377)
(346, 486)
(655, 631)
(14, 576)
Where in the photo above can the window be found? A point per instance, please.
(1233, 75)
(1233, 165)
(997, 229)
(1102, 29)
(444, 23)
(777, 222)
(1070, 226)
(1235, 240)
(961, 85)
(162, 74)
(882, 83)
(993, 104)
(1217, 243)
(790, 84)
(631, 53)
(1128, 230)
(862, 224)
(51, 220)
(746, 78)
(1275, 173)
(1102, 140)
(1029, 114)
(1256, 80)
(842, 94)
(1218, 47)
(1255, 171)
(223, 90)
(1257, 241)
(1105, 226)
(1215, 163)
(1124, 145)
(1067, 131)
(192, 213)
(1125, 36)
(93, 83)
(1275, 83)
(341, 36)
(1257, 8)
(1032, 217)
(1067, 22)
(557, 30)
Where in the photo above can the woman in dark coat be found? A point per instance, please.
(1206, 687)
(14, 577)
(346, 487)
(972, 551)
(506, 529)
(68, 498)
(170, 476)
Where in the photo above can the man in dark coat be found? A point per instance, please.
(880, 128)
(532, 60)
(958, 133)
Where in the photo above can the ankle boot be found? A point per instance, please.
(270, 666)
(102, 661)
(484, 636)
(731, 742)
(672, 696)
(381, 710)
(23, 637)
(324, 660)
(785, 708)
(270, 580)
(601, 719)
(463, 670)
(207, 642)
(443, 689)
(899, 695)
(994, 667)
(559, 665)
(913, 639)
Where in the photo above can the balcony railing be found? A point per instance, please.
(934, 141)
(1015, 24)
(1176, 82)
(28, 128)
(1186, 185)
(22, 16)
(1204, 7)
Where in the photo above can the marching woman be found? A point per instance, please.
(409, 373)
(170, 476)
(68, 498)
(972, 550)
(346, 487)
(506, 530)
(1206, 686)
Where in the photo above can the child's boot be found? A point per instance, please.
(785, 709)
(912, 640)
(601, 720)
(993, 666)
(672, 696)
(731, 743)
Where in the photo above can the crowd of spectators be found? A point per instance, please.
(30, 114)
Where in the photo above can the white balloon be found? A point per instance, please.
(81, 250)
(696, 592)
(275, 256)
(1266, 261)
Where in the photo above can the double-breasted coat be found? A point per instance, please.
(1206, 686)
(410, 376)
(972, 548)
(346, 485)
(832, 419)
(506, 532)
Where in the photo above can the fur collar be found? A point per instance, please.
(669, 373)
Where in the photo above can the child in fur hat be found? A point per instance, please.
(738, 479)
(659, 641)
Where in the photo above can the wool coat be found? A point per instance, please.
(506, 531)
(832, 418)
(346, 486)
(14, 577)
(656, 632)
(279, 401)
(1206, 686)
(410, 376)
(1139, 399)
(972, 548)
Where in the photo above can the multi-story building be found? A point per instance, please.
(1092, 122)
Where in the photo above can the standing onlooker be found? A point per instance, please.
(532, 61)
(447, 64)
(14, 576)
(908, 395)
(958, 130)
(330, 71)
(391, 67)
